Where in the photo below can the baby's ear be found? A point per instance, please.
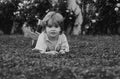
(42, 23)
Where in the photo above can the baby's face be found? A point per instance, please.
(53, 31)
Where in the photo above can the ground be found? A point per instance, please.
(90, 57)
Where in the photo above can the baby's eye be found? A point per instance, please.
(56, 26)
(49, 26)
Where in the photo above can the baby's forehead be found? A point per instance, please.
(53, 25)
(53, 22)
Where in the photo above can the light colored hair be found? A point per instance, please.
(53, 18)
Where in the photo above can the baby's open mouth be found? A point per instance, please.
(53, 32)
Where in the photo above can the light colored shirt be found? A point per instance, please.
(44, 44)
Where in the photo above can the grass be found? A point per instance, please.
(90, 57)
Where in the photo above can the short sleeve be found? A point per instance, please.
(64, 43)
(40, 45)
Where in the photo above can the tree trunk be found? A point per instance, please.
(73, 6)
(14, 27)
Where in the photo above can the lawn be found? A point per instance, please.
(90, 57)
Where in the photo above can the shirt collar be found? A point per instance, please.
(47, 39)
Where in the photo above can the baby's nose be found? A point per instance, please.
(53, 28)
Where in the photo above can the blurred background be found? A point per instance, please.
(81, 16)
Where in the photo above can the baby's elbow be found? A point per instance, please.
(67, 50)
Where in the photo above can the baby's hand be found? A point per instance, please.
(62, 52)
(52, 52)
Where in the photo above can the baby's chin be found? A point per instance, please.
(53, 35)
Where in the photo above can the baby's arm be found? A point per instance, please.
(51, 52)
(64, 45)
(43, 52)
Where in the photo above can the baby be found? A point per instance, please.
(52, 40)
